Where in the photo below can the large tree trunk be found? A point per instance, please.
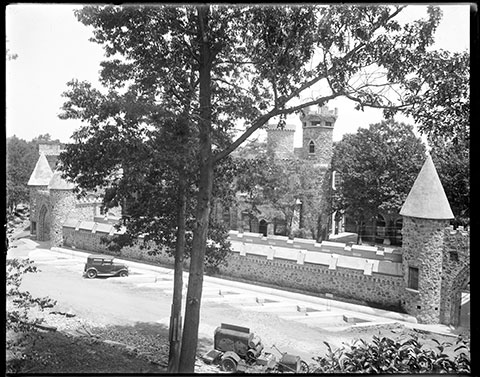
(175, 337)
(205, 184)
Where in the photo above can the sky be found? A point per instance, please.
(53, 48)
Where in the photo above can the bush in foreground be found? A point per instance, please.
(384, 355)
(20, 327)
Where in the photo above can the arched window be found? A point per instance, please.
(380, 229)
(311, 147)
(263, 227)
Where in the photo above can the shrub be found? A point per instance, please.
(384, 355)
(21, 327)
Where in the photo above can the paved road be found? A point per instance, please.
(294, 325)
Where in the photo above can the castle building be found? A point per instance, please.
(52, 199)
(425, 278)
(316, 151)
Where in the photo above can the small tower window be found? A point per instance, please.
(328, 124)
(311, 147)
(413, 278)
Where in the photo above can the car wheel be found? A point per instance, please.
(91, 274)
(123, 274)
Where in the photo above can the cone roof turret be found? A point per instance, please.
(42, 173)
(427, 199)
(58, 183)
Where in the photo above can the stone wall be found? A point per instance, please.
(379, 289)
(51, 151)
(85, 210)
(422, 249)
(280, 142)
(62, 202)
(88, 235)
(456, 273)
(354, 272)
(322, 137)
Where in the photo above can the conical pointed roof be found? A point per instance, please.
(427, 199)
(42, 173)
(58, 183)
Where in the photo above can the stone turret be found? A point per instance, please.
(38, 182)
(51, 150)
(426, 213)
(62, 199)
(280, 140)
(317, 125)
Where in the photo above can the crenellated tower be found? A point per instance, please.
(280, 140)
(317, 125)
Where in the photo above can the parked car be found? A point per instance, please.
(103, 265)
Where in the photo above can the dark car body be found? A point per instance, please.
(103, 265)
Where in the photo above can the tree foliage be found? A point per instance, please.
(385, 355)
(452, 161)
(21, 159)
(378, 166)
(279, 185)
(443, 110)
(19, 303)
(220, 66)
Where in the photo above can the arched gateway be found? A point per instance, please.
(43, 231)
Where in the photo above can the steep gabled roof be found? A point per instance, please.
(427, 199)
(58, 183)
(42, 173)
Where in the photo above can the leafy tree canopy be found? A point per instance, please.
(378, 166)
(220, 66)
(21, 159)
(452, 161)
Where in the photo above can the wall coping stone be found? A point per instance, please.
(86, 225)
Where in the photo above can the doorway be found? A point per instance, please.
(263, 227)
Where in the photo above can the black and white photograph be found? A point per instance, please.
(211, 188)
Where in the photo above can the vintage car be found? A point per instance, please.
(103, 265)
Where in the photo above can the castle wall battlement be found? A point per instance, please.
(276, 260)
(345, 249)
(50, 149)
(460, 230)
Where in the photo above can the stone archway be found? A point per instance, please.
(452, 297)
(43, 227)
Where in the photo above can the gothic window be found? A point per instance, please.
(380, 225)
(328, 124)
(311, 147)
(262, 227)
(413, 278)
